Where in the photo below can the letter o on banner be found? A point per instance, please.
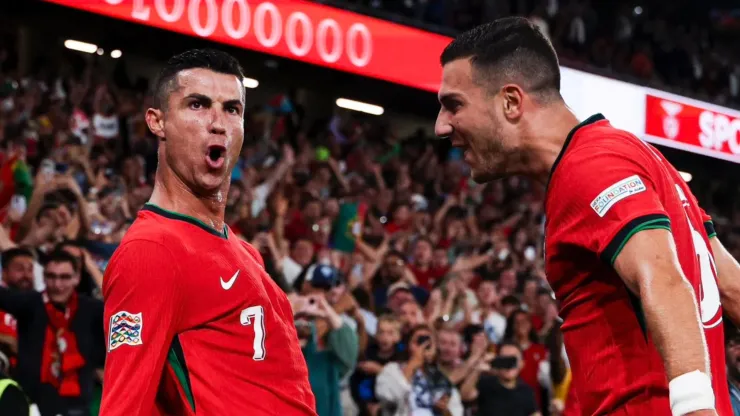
(259, 24)
(211, 17)
(227, 18)
(168, 16)
(358, 29)
(290, 33)
(336, 50)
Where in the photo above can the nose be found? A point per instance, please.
(217, 122)
(442, 127)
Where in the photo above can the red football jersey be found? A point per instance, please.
(605, 186)
(196, 326)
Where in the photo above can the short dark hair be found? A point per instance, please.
(512, 49)
(217, 61)
(61, 256)
(12, 253)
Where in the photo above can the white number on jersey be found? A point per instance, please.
(254, 315)
(710, 301)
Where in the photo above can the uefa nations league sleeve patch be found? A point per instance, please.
(617, 192)
(125, 329)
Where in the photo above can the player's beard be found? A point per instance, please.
(491, 159)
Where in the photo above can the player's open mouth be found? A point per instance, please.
(216, 156)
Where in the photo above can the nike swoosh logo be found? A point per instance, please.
(227, 285)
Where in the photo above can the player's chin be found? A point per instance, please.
(212, 181)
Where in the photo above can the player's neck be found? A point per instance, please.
(551, 127)
(171, 194)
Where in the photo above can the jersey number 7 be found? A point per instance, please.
(254, 315)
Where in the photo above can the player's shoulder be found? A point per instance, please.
(595, 146)
(596, 136)
(252, 251)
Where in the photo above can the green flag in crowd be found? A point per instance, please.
(348, 226)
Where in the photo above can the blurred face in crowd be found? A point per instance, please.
(439, 258)
(202, 128)
(424, 337)
(545, 302)
(322, 230)
(399, 298)
(302, 252)
(410, 314)
(312, 211)
(450, 347)
(422, 252)
(522, 324)
(510, 375)
(487, 294)
(331, 208)
(394, 267)
(18, 273)
(477, 120)
(402, 214)
(529, 292)
(507, 281)
(61, 280)
(388, 334)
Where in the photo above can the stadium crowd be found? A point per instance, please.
(665, 44)
(411, 265)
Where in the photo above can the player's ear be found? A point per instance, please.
(155, 121)
(513, 96)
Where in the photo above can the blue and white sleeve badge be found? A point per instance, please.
(125, 329)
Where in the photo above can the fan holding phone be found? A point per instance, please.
(416, 386)
(502, 392)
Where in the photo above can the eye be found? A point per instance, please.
(233, 110)
(196, 105)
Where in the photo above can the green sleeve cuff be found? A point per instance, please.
(709, 228)
(645, 222)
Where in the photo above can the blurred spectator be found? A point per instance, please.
(416, 385)
(59, 348)
(383, 350)
(12, 399)
(329, 344)
(502, 391)
(535, 369)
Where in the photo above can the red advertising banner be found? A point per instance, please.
(693, 126)
(296, 29)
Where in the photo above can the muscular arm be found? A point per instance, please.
(141, 319)
(728, 276)
(649, 266)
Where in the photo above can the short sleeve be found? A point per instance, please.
(600, 198)
(708, 224)
(141, 318)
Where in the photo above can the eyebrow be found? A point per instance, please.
(207, 99)
(448, 96)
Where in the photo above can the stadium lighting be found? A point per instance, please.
(686, 176)
(116, 53)
(250, 83)
(100, 51)
(78, 46)
(375, 110)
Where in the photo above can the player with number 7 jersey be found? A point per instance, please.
(194, 325)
